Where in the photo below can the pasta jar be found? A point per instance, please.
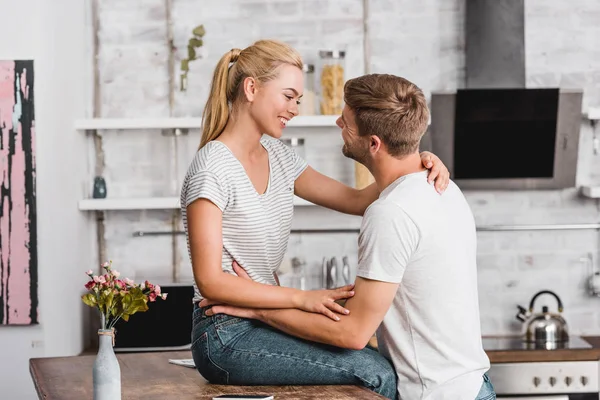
(308, 102)
(332, 81)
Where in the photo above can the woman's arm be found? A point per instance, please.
(206, 244)
(327, 192)
(324, 191)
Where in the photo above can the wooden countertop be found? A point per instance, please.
(513, 356)
(149, 376)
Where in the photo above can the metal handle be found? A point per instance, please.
(521, 315)
(548, 227)
(560, 305)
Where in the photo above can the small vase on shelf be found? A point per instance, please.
(107, 373)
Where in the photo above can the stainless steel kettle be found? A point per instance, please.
(544, 330)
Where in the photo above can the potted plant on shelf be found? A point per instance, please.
(116, 299)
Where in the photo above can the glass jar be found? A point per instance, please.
(331, 81)
(308, 102)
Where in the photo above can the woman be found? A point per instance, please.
(237, 204)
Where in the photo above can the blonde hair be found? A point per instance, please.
(390, 107)
(259, 61)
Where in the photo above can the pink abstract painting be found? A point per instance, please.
(18, 242)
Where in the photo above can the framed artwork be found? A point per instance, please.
(18, 241)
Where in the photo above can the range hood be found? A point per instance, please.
(523, 138)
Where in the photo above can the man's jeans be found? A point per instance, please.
(487, 390)
(230, 350)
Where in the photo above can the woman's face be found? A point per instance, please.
(275, 102)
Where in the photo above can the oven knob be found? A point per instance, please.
(536, 381)
(568, 381)
(584, 380)
(552, 381)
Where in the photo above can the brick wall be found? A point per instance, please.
(423, 41)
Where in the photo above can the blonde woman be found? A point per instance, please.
(237, 205)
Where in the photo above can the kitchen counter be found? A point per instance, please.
(542, 355)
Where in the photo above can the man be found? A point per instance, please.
(417, 278)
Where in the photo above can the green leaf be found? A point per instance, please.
(191, 53)
(89, 299)
(194, 42)
(199, 31)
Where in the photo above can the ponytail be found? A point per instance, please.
(216, 111)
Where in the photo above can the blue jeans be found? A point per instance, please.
(237, 351)
(487, 391)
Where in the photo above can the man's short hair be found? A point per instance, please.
(390, 107)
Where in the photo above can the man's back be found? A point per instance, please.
(432, 330)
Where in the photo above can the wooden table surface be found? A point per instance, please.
(150, 376)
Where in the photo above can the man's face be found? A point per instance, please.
(355, 147)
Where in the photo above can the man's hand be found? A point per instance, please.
(249, 313)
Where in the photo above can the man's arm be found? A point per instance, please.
(367, 308)
(387, 241)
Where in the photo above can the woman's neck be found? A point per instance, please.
(242, 136)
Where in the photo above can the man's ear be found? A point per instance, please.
(250, 88)
(375, 144)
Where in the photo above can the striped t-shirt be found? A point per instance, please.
(256, 227)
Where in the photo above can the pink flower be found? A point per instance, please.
(152, 297)
(164, 296)
(89, 272)
(149, 285)
(90, 285)
(116, 273)
(157, 289)
(105, 264)
(99, 279)
(129, 282)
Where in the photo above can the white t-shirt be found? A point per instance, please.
(256, 227)
(426, 242)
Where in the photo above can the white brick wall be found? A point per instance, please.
(423, 41)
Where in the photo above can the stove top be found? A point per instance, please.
(517, 343)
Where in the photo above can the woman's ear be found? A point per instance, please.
(250, 86)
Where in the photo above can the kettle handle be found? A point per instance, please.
(560, 305)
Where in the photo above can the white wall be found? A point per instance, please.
(423, 41)
(51, 33)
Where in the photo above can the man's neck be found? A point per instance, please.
(388, 169)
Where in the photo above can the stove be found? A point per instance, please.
(521, 370)
(515, 343)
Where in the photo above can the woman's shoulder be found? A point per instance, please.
(212, 157)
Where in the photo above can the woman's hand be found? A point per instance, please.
(438, 172)
(324, 301)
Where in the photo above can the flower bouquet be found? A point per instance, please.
(115, 299)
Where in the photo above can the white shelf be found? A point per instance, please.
(593, 113)
(189, 123)
(148, 203)
(591, 191)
